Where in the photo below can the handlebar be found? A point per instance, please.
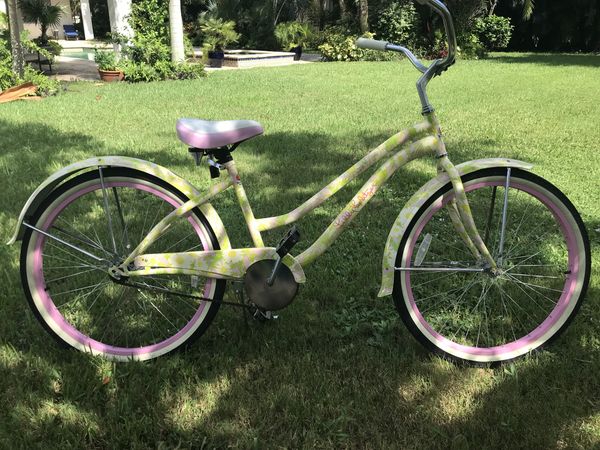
(437, 66)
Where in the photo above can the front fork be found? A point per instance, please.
(458, 208)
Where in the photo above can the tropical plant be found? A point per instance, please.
(219, 33)
(528, 7)
(292, 34)
(106, 60)
(42, 13)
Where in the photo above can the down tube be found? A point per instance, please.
(419, 149)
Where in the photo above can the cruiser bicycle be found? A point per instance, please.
(122, 258)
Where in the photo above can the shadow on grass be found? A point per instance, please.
(550, 59)
(337, 370)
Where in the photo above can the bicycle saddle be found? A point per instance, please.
(208, 134)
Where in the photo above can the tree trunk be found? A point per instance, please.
(18, 62)
(363, 11)
(44, 36)
(176, 28)
(343, 10)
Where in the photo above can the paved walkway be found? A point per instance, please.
(76, 69)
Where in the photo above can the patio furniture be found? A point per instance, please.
(40, 59)
(70, 32)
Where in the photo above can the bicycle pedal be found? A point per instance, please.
(290, 239)
(262, 315)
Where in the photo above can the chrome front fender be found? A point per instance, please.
(120, 161)
(415, 203)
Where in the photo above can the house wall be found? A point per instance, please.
(66, 19)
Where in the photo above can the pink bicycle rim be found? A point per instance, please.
(553, 317)
(66, 327)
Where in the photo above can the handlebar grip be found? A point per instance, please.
(371, 44)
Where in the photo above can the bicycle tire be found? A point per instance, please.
(493, 318)
(133, 329)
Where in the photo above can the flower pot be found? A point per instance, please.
(111, 75)
(297, 53)
(215, 59)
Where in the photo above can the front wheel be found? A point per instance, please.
(72, 293)
(490, 316)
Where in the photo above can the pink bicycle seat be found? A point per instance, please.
(214, 134)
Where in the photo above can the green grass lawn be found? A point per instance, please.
(338, 369)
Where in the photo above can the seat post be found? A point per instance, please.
(240, 193)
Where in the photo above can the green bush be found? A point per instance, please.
(398, 23)
(136, 72)
(188, 71)
(470, 47)
(7, 77)
(148, 49)
(494, 32)
(106, 59)
(148, 56)
(292, 34)
(338, 45)
(45, 85)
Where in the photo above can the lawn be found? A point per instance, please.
(337, 369)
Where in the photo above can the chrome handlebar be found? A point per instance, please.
(438, 65)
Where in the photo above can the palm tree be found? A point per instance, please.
(18, 61)
(42, 13)
(176, 29)
(528, 6)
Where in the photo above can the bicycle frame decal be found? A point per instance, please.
(425, 146)
(206, 262)
(213, 264)
(398, 140)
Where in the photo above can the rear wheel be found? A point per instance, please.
(482, 316)
(72, 293)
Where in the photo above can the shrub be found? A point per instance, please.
(471, 47)
(292, 34)
(398, 23)
(136, 72)
(188, 71)
(494, 32)
(45, 85)
(148, 56)
(7, 77)
(106, 59)
(338, 45)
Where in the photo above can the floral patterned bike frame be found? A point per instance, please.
(425, 140)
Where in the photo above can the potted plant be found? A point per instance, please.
(218, 34)
(292, 36)
(108, 67)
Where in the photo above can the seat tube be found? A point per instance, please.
(240, 193)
